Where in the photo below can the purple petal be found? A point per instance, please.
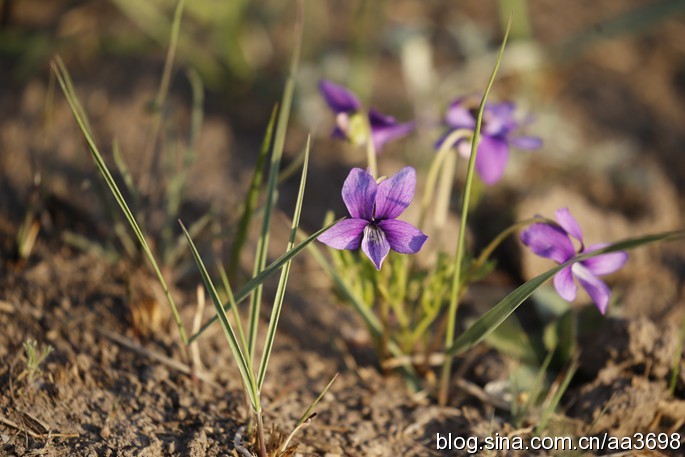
(346, 234)
(604, 264)
(498, 119)
(395, 193)
(386, 128)
(548, 241)
(569, 223)
(375, 245)
(402, 236)
(359, 194)
(595, 287)
(458, 115)
(492, 159)
(563, 283)
(527, 143)
(339, 98)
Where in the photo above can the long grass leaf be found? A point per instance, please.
(283, 280)
(238, 353)
(490, 320)
(556, 399)
(67, 87)
(276, 155)
(307, 416)
(251, 198)
(253, 283)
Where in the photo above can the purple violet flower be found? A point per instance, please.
(496, 136)
(554, 242)
(349, 120)
(374, 208)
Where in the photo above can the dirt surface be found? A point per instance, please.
(119, 382)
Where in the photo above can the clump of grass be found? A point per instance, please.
(242, 342)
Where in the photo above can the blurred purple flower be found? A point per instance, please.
(554, 242)
(348, 118)
(497, 135)
(374, 209)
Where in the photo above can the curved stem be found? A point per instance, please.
(445, 148)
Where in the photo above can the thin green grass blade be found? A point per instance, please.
(125, 173)
(556, 399)
(283, 280)
(67, 87)
(307, 416)
(238, 353)
(170, 57)
(251, 198)
(124, 237)
(291, 168)
(461, 240)
(490, 320)
(236, 315)
(276, 155)
(253, 283)
(538, 385)
(677, 356)
(196, 228)
(179, 169)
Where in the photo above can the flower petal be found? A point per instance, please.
(459, 116)
(527, 143)
(491, 160)
(346, 234)
(386, 128)
(569, 223)
(563, 283)
(548, 241)
(595, 287)
(395, 193)
(359, 194)
(339, 98)
(402, 236)
(498, 119)
(604, 264)
(375, 245)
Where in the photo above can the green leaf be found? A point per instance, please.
(490, 320)
(280, 291)
(276, 155)
(67, 87)
(251, 198)
(238, 352)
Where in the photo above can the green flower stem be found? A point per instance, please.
(443, 393)
(431, 180)
(442, 200)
